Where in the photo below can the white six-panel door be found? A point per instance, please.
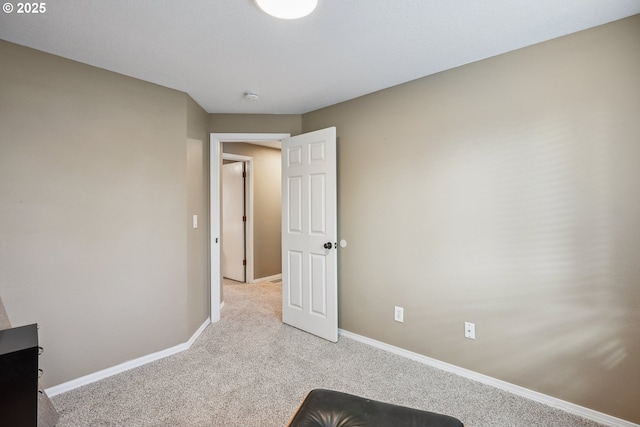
(309, 233)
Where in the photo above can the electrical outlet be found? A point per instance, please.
(470, 330)
(398, 314)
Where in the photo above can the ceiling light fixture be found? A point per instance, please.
(251, 96)
(287, 9)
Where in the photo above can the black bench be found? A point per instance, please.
(327, 408)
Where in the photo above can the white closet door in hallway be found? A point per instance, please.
(233, 222)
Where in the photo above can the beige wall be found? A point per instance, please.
(255, 123)
(198, 266)
(267, 198)
(506, 193)
(93, 206)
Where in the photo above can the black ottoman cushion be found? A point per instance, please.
(327, 408)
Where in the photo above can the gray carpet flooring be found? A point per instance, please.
(249, 369)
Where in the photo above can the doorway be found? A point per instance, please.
(217, 155)
(309, 228)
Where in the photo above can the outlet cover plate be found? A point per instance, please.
(398, 314)
(470, 330)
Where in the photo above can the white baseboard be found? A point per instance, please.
(572, 408)
(122, 367)
(267, 279)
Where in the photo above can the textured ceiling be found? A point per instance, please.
(216, 50)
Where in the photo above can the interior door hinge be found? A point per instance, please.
(244, 262)
(244, 174)
(244, 218)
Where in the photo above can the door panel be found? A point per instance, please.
(295, 280)
(318, 195)
(309, 220)
(294, 190)
(318, 285)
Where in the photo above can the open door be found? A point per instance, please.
(309, 233)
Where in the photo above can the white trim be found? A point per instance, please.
(130, 364)
(268, 278)
(569, 407)
(215, 151)
(215, 270)
(250, 137)
(249, 201)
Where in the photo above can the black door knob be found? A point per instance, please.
(328, 245)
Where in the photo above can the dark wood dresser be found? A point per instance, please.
(19, 376)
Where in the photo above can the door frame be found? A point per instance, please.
(215, 171)
(248, 186)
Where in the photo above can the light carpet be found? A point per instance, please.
(249, 369)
